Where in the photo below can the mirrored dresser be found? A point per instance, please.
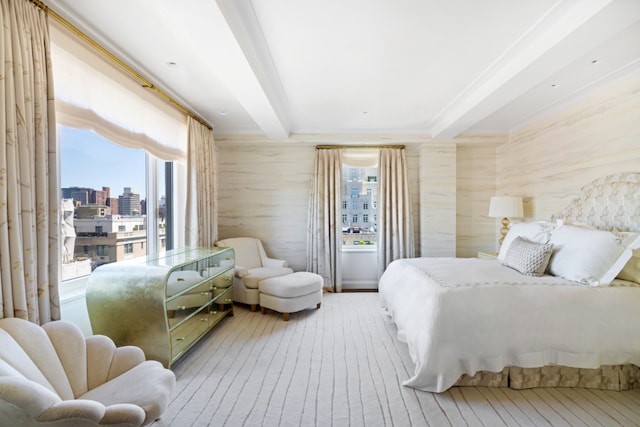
(163, 303)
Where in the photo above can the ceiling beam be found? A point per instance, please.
(570, 29)
(251, 75)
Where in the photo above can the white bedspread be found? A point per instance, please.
(462, 315)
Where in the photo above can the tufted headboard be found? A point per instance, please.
(608, 203)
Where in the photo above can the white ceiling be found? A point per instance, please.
(422, 67)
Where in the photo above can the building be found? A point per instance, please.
(129, 202)
(359, 205)
(110, 238)
(84, 195)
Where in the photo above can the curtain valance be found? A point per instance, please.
(92, 93)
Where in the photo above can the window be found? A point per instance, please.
(356, 225)
(113, 181)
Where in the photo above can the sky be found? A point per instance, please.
(88, 160)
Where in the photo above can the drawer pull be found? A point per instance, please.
(204, 293)
(182, 307)
(180, 339)
(203, 320)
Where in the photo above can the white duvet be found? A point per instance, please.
(462, 315)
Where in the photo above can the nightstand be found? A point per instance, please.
(488, 255)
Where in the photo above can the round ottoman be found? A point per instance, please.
(290, 293)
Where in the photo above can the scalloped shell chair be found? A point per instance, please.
(252, 266)
(52, 375)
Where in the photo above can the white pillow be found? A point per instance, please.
(537, 232)
(590, 256)
(528, 258)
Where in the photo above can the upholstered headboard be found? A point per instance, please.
(608, 203)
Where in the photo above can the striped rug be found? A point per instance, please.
(343, 366)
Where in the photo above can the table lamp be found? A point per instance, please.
(505, 207)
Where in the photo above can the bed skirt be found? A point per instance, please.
(616, 377)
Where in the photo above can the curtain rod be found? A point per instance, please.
(145, 83)
(326, 147)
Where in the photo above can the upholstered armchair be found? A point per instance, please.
(252, 266)
(52, 375)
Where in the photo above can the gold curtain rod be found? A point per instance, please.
(145, 83)
(327, 147)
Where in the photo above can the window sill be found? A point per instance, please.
(359, 248)
(73, 289)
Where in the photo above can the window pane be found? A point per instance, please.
(104, 201)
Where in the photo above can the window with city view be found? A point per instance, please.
(359, 192)
(106, 216)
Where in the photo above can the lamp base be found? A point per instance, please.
(504, 230)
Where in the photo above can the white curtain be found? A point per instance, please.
(28, 167)
(395, 230)
(201, 216)
(324, 234)
(93, 93)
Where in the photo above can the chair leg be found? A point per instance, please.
(253, 308)
(318, 306)
(263, 310)
(285, 317)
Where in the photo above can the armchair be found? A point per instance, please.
(252, 266)
(52, 375)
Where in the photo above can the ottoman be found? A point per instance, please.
(290, 293)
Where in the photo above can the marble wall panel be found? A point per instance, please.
(476, 184)
(549, 161)
(437, 203)
(264, 193)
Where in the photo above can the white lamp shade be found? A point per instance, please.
(506, 207)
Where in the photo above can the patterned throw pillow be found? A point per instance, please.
(529, 258)
(631, 270)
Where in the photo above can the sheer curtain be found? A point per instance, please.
(395, 229)
(202, 215)
(324, 234)
(28, 167)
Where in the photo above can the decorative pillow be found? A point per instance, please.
(631, 270)
(529, 258)
(537, 232)
(590, 256)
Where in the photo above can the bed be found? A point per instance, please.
(560, 306)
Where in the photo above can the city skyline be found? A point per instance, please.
(89, 160)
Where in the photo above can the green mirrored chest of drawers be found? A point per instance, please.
(162, 303)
